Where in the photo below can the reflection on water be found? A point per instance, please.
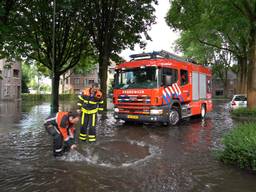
(126, 157)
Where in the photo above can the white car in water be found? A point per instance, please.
(238, 101)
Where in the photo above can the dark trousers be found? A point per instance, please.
(88, 127)
(58, 147)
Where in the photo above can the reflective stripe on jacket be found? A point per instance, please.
(90, 104)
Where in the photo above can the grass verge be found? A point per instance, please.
(244, 112)
(240, 147)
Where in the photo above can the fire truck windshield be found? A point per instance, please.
(142, 77)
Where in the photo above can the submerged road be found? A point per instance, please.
(126, 157)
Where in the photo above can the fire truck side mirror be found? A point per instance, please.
(167, 80)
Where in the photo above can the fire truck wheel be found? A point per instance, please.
(203, 111)
(174, 117)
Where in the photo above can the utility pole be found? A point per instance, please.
(53, 48)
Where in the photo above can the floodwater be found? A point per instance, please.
(126, 157)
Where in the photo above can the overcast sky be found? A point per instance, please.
(162, 36)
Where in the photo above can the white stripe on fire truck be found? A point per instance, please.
(167, 91)
(178, 88)
(171, 89)
(164, 93)
(174, 88)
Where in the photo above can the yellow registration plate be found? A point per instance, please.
(133, 117)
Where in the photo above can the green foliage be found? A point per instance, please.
(213, 32)
(32, 75)
(24, 83)
(240, 147)
(6, 10)
(110, 26)
(244, 112)
(35, 97)
(86, 64)
(115, 25)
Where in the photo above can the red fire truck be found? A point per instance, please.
(161, 87)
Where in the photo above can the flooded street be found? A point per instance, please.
(126, 157)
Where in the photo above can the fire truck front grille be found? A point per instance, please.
(134, 110)
(134, 99)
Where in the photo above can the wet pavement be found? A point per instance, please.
(126, 157)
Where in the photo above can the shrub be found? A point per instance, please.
(47, 97)
(244, 112)
(240, 147)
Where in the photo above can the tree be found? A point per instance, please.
(217, 23)
(115, 25)
(6, 8)
(54, 35)
(247, 10)
(24, 79)
(220, 60)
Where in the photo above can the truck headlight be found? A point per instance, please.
(156, 111)
(116, 110)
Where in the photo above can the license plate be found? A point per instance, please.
(241, 104)
(133, 117)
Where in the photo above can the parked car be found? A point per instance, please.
(238, 101)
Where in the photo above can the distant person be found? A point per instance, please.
(90, 102)
(61, 126)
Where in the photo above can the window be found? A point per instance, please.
(77, 81)
(219, 93)
(7, 73)
(91, 81)
(170, 76)
(183, 77)
(15, 73)
(240, 98)
(7, 91)
(142, 77)
(209, 85)
(85, 82)
(67, 81)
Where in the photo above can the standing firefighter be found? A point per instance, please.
(90, 102)
(61, 126)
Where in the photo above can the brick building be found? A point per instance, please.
(10, 81)
(75, 83)
(218, 86)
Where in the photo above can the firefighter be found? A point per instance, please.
(90, 102)
(61, 126)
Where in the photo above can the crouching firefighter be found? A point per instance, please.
(61, 126)
(89, 102)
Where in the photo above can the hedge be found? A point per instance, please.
(240, 147)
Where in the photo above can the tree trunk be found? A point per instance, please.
(225, 82)
(103, 72)
(242, 75)
(251, 82)
(63, 84)
(55, 93)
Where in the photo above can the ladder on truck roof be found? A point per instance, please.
(159, 54)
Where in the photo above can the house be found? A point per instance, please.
(10, 80)
(75, 83)
(218, 85)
